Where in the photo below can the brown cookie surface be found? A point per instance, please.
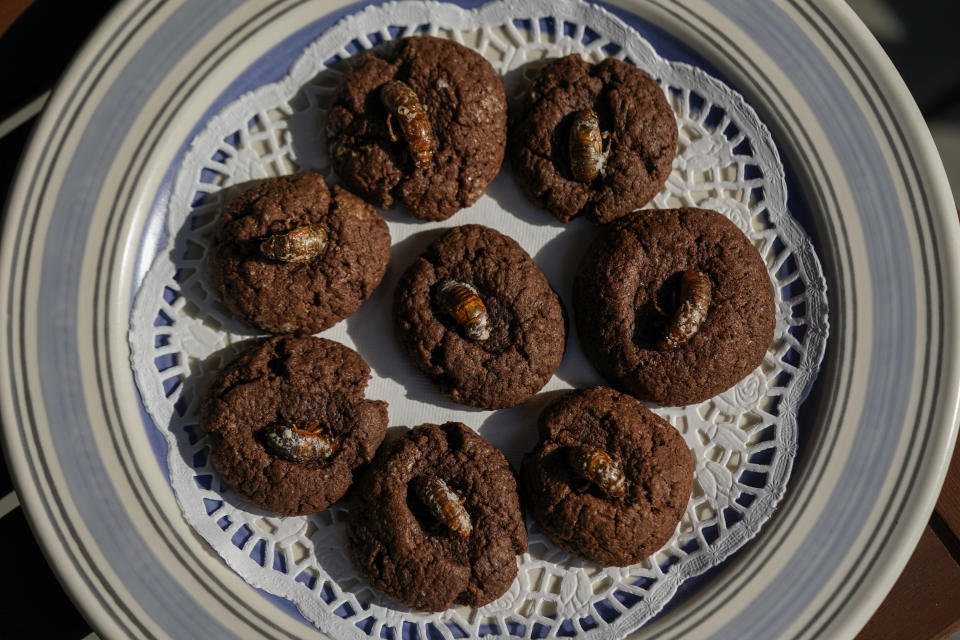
(408, 553)
(639, 138)
(307, 296)
(626, 292)
(284, 381)
(578, 514)
(527, 330)
(462, 98)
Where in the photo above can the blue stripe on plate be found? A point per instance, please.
(105, 516)
(893, 301)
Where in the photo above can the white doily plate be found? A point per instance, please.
(123, 179)
(744, 440)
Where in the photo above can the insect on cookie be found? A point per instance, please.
(291, 255)
(609, 480)
(674, 306)
(479, 319)
(289, 424)
(437, 520)
(593, 139)
(424, 123)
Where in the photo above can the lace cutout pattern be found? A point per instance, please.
(744, 440)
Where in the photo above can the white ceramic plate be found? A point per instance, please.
(876, 435)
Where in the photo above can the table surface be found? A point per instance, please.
(924, 604)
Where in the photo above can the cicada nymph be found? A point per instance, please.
(301, 444)
(586, 146)
(461, 301)
(598, 467)
(695, 296)
(444, 504)
(298, 245)
(404, 106)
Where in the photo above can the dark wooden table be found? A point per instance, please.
(924, 603)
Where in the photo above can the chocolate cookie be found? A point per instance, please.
(478, 317)
(433, 142)
(674, 306)
(289, 423)
(437, 520)
(609, 480)
(289, 256)
(603, 163)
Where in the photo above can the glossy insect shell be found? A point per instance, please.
(695, 297)
(404, 105)
(586, 146)
(445, 505)
(299, 245)
(462, 302)
(599, 468)
(301, 444)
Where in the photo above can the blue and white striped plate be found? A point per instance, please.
(81, 226)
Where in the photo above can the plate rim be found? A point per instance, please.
(17, 457)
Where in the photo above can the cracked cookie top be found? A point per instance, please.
(571, 497)
(633, 125)
(267, 275)
(522, 340)
(273, 387)
(443, 163)
(628, 291)
(404, 550)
